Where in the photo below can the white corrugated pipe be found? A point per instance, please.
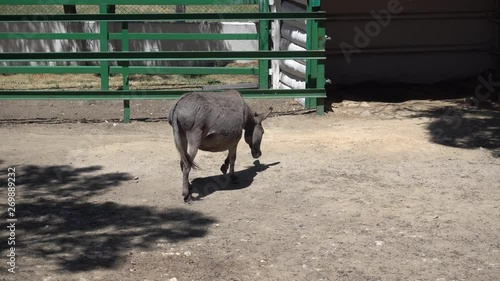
(293, 67)
(294, 34)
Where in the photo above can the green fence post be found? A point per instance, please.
(125, 73)
(307, 103)
(320, 81)
(315, 68)
(264, 45)
(103, 31)
(310, 64)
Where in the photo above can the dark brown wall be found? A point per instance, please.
(427, 41)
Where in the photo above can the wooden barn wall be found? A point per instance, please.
(424, 42)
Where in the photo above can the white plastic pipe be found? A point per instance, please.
(289, 7)
(293, 67)
(286, 45)
(294, 34)
(292, 81)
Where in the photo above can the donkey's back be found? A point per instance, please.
(219, 112)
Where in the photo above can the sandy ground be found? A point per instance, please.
(371, 191)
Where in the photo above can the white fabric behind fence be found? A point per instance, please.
(291, 36)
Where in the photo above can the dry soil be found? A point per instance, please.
(371, 191)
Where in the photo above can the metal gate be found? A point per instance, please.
(314, 54)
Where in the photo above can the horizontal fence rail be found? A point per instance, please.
(153, 94)
(163, 17)
(132, 2)
(130, 36)
(145, 56)
(187, 70)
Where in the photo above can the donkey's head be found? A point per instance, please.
(254, 132)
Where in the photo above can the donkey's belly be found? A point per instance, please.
(218, 143)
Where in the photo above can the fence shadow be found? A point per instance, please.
(62, 222)
(208, 185)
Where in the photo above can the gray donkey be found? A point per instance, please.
(213, 122)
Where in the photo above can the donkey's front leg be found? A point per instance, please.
(225, 166)
(185, 182)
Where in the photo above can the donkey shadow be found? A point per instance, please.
(208, 185)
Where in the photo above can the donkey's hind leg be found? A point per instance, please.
(232, 160)
(193, 140)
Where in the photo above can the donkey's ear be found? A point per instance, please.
(261, 117)
(265, 115)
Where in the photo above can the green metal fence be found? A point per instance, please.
(315, 55)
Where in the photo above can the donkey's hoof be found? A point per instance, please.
(188, 199)
(223, 169)
(186, 193)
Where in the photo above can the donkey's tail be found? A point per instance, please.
(181, 145)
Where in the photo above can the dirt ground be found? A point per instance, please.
(371, 191)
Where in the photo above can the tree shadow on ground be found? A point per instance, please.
(464, 127)
(208, 185)
(63, 223)
(469, 122)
